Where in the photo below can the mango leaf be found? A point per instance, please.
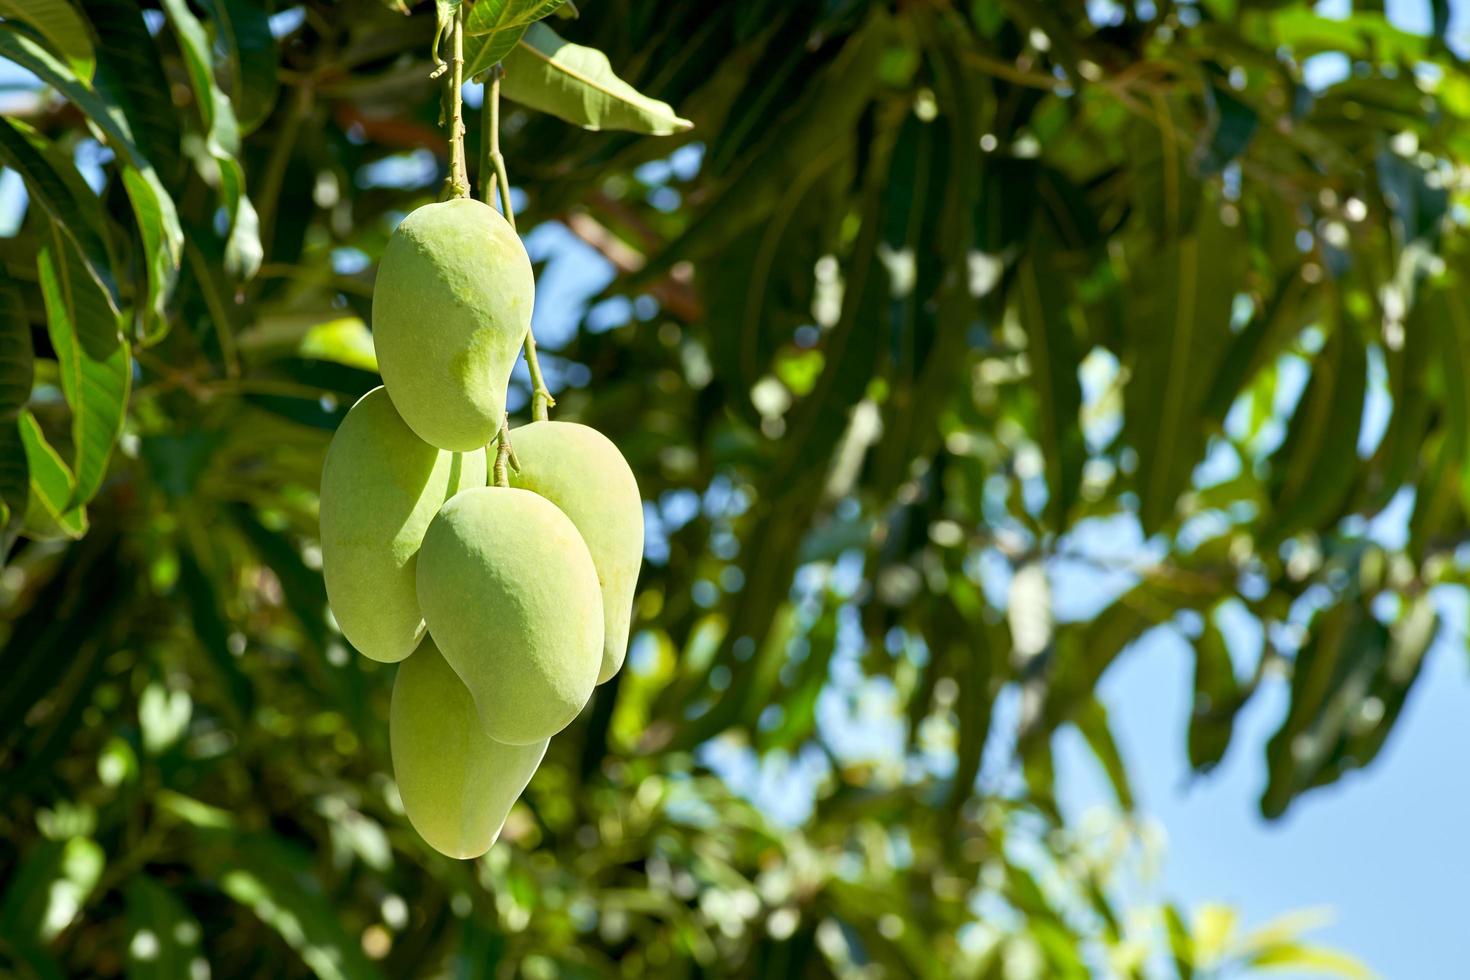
(49, 513)
(61, 26)
(96, 366)
(16, 369)
(1180, 312)
(48, 889)
(1166, 191)
(577, 84)
(1043, 304)
(818, 128)
(53, 182)
(1216, 699)
(164, 938)
(274, 881)
(251, 59)
(130, 76)
(243, 251)
(1092, 721)
(153, 208)
(492, 28)
(1318, 460)
(1349, 682)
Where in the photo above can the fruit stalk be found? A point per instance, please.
(504, 455)
(459, 183)
(494, 176)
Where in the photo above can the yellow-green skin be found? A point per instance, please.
(451, 307)
(381, 486)
(457, 783)
(581, 471)
(511, 598)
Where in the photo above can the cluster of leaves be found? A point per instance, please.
(942, 292)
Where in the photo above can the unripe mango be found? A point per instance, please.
(581, 471)
(457, 783)
(511, 598)
(381, 486)
(451, 307)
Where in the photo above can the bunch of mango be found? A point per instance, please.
(506, 605)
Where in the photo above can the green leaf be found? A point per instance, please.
(1092, 721)
(1044, 307)
(1180, 312)
(153, 208)
(817, 131)
(243, 250)
(62, 28)
(492, 28)
(48, 513)
(1348, 683)
(252, 62)
(1317, 464)
(164, 938)
(95, 364)
(1305, 958)
(48, 889)
(130, 76)
(16, 368)
(577, 84)
(53, 182)
(1166, 192)
(1215, 702)
(274, 880)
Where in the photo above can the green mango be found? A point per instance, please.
(451, 308)
(581, 471)
(457, 783)
(511, 598)
(381, 486)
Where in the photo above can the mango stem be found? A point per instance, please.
(493, 175)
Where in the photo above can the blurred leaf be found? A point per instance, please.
(577, 84)
(163, 937)
(1318, 461)
(273, 880)
(16, 369)
(243, 250)
(812, 135)
(243, 26)
(1348, 683)
(1180, 327)
(1216, 699)
(1166, 191)
(62, 28)
(53, 182)
(130, 75)
(213, 633)
(1092, 722)
(53, 881)
(157, 220)
(96, 367)
(1232, 125)
(1044, 309)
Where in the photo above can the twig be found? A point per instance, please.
(541, 399)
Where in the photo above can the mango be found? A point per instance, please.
(457, 783)
(381, 486)
(511, 597)
(581, 471)
(451, 307)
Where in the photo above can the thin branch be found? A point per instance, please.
(541, 399)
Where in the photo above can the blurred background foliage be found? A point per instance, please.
(932, 298)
